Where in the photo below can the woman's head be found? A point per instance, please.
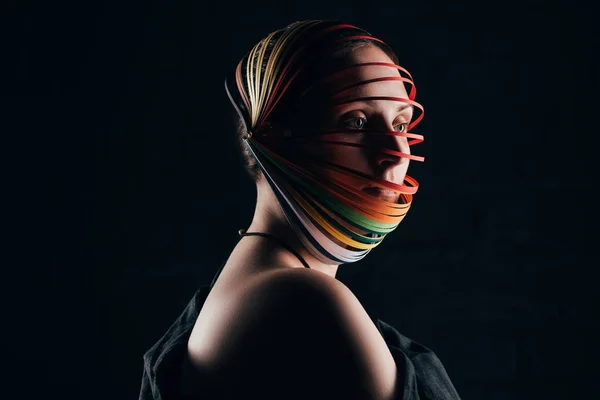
(324, 114)
(339, 54)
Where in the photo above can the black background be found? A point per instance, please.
(126, 192)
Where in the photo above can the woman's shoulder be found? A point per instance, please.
(255, 297)
(292, 315)
(279, 281)
(263, 290)
(267, 291)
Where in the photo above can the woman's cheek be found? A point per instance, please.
(352, 158)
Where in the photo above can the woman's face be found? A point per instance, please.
(365, 121)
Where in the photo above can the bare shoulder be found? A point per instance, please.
(292, 324)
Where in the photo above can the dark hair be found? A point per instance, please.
(335, 59)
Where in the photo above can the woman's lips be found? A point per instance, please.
(383, 194)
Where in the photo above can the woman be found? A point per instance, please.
(325, 112)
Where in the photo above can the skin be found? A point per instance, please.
(254, 254)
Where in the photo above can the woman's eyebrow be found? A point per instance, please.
(404, 106)
(369, 104)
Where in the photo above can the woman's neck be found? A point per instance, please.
(270, 219)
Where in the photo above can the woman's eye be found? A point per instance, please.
(355, 123)
(401, 127)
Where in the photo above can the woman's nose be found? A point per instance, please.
(396, 144)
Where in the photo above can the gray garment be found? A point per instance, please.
(167, 373)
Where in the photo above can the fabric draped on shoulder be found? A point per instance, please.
(167, 373)
(420, 371)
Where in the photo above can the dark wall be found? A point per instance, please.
(129, 192)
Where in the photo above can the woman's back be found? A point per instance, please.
(290, 328)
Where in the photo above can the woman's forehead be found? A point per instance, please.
(366, 80)
(388, 89)
(368, 53)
